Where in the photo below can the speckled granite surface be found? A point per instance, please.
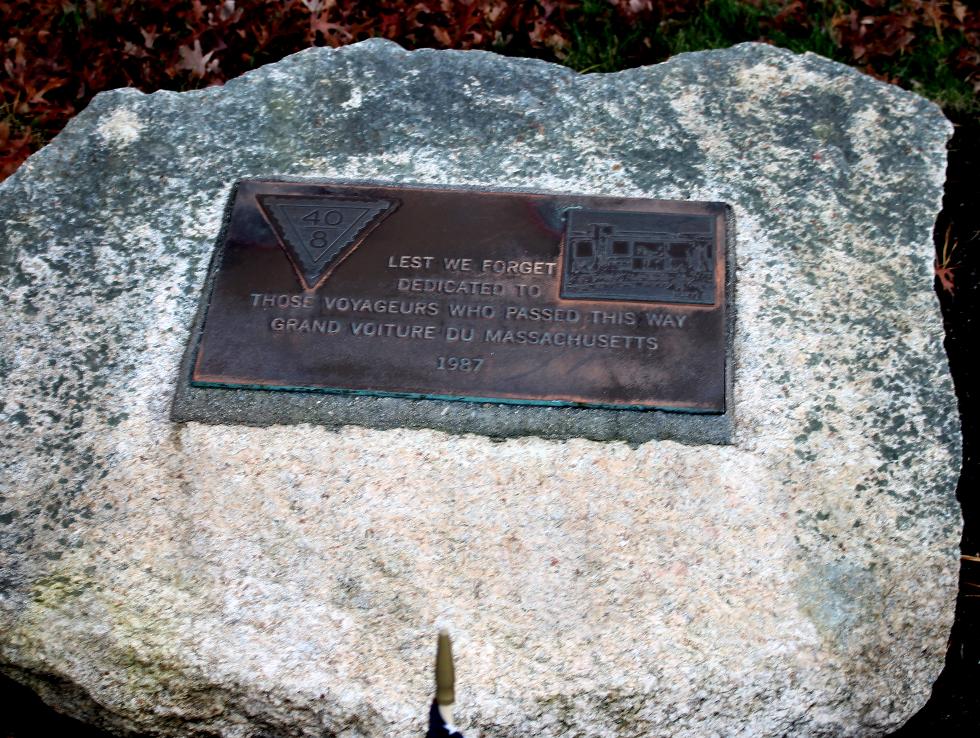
(194, 579)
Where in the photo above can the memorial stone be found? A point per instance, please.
(188, 549)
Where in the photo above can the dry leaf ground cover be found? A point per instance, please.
(56, 55)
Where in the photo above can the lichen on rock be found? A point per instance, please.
(188, 579)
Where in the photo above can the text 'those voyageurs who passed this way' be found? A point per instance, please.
(469, 295)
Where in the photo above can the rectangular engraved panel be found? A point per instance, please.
(472, 295)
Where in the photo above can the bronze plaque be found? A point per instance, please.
(469, 295)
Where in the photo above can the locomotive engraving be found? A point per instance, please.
(638, 256)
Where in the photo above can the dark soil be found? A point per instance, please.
(25, 716)
(954, 708)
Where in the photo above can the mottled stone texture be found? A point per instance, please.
(194, 579)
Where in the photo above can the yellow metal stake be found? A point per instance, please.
(445, 677)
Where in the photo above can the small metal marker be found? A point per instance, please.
(441, 711)
(445, 674)
(459, 294)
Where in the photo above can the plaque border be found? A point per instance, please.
(262, 406)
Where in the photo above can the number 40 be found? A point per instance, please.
(326, 217)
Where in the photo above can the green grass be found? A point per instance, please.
(599, 43)
(926, 70)
(602, 42)
(719, 24)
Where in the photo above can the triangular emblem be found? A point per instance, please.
(317, 233)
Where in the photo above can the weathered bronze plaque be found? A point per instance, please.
(474, 295)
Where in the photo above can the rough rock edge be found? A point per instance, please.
(105, 100)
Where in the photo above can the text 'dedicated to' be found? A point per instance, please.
(492, 296)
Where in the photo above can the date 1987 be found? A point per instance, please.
(459, 363)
